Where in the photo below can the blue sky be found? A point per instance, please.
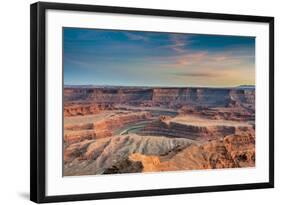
(135, 58)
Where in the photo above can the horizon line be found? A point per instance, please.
(157, 86)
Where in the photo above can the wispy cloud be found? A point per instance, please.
(161, 58)
(191, 58)
(136, 37)
(195, 74)
(179, 42)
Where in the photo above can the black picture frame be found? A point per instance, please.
(38, 97)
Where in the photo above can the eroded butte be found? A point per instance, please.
(111, 130)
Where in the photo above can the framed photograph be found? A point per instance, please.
(129, 102)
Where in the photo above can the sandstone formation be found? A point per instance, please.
(113, 130)
(107, 154)
(231, 152)
(237, 113)
(71, 109)
(192, 127)
(94, 126)
(133, 153)
(171, 97)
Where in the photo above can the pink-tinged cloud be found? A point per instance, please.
(211, 77)
(206, 68)
(190, 58)
(204, 58)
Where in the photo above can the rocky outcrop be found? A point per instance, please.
(191, 96)
(108, 95)
(233, 151)
(169, 97)
(237, 113)
(243, 97)
(124, 166)
(159, 128)
(110, 155)
(195, 128)
(133, 153)
(112, 130)
(84, 109)
(103, 127)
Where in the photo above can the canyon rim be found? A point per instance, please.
(137, 101)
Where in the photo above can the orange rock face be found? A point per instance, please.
(83, 109)
(133, 153)
(94, 127)
(232, 152)
(113, 130)
(194, 127)
(111, 153)
(170, 97)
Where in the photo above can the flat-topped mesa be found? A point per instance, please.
(84, 109)
(244, 97)
(209, 97)
(169, 97)
(224, 113)
(191, 96)
(108, 95)
(79, 128)
(195, 128)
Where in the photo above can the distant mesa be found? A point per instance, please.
(247, 86)
(169, 97)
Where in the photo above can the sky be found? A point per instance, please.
(140, 58)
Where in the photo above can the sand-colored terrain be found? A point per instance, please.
(124, 130)
(194, 120)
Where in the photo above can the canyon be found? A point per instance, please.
(118, 129)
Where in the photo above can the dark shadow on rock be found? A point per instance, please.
(125, 166)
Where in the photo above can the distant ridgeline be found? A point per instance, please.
(209, 97)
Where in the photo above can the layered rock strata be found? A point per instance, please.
(196, 128)
(71, 109)
(169, 97)
(133, 153)
(93, 127)
(233, 151)
(111, 154)
(112, 130)
(221, 113)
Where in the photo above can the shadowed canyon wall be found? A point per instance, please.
(171, 97)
